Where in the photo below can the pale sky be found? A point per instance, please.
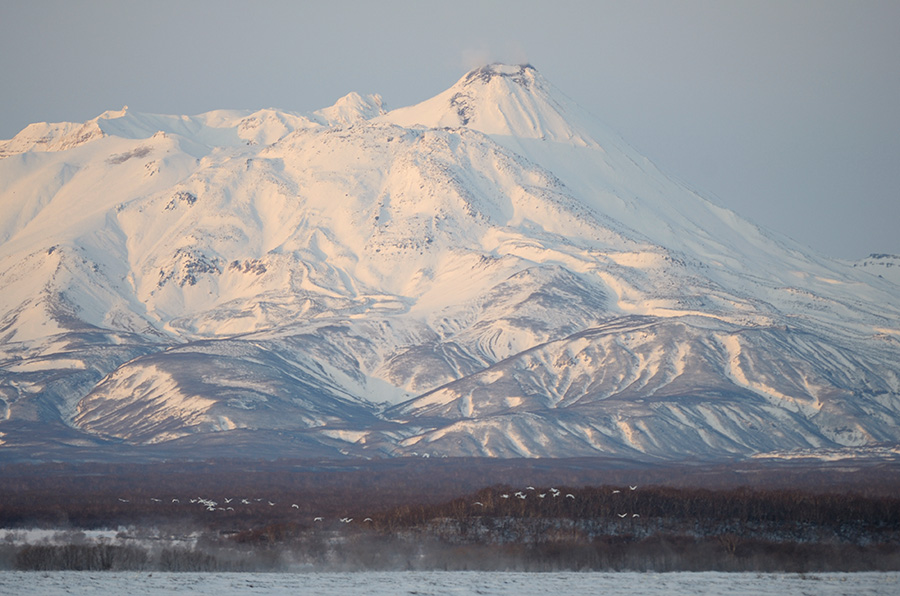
(786, 111)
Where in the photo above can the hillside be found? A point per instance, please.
(491, 272)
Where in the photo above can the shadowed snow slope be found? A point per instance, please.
(489, 272)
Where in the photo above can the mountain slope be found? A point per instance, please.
(490, 272)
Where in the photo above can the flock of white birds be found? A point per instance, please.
(228, 504)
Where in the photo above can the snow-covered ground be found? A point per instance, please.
(391, 583)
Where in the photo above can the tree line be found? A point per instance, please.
(413, 515)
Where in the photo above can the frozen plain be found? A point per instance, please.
(13, 583)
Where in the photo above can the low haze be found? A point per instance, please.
(787, 112)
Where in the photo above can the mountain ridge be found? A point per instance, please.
(489, 272)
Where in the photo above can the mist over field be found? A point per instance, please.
(395, 516)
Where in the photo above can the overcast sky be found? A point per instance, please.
(786, 111)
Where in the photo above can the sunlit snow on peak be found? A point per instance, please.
(489, 272)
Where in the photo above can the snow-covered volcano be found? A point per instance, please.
(489, 272)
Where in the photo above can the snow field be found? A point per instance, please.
(14, 583)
